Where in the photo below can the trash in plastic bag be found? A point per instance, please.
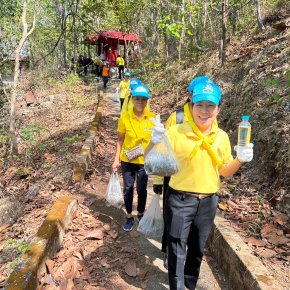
(152, 223)
(161, 160)
(114, 193)
(116, 97)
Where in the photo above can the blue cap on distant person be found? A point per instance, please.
(134, 82)
(207, 92)
(141, 91)
(198, 80)
(127, 74)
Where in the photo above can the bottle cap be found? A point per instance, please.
(245, 118)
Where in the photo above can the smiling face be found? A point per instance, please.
(204, 113)
(139, 103)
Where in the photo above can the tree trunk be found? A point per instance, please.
(182, 30)
(259, 15)
(12, 121)
(224, 31)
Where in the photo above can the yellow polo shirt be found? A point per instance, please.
(171, 121)
(120, 60)
(199, 175)
(136, 132)
(128, 104)
(124, 88)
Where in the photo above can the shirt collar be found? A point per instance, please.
(132, 115)
(214, 129)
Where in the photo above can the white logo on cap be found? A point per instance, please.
(208, 89)
(140, 90)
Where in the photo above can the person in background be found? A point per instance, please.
(134, 82)
(98, 66)
(80, 64)
(160, 184)
(102, 57)
(203, 151)
(106, 74)
(121, 65)
(124, 87)
(128, 101)
(134, 131)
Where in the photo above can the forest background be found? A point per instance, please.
(242, 44)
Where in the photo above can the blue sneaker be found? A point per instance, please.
(139, 217)
(128, 225)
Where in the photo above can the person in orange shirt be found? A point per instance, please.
(106, 74)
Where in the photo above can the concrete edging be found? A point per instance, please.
(47, 242)
(235, 258)
(81, 163)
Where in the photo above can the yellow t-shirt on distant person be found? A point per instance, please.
(124, 88)
(120, 61)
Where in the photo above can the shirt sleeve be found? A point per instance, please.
(171, 120)
(227, 152)
(121, 125)
(169, 136)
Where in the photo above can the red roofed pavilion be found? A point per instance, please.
(108, 42)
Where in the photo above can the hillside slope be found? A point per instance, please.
(254, 81)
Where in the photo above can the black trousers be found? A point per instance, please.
(105, 80)
(189, 221)
(121, 71)
(166, 180)
(122, 102)
(130, 172)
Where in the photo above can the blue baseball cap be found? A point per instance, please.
(207, 92)
(198, 80)
(127, 74)
(134, 82)
(141, 91)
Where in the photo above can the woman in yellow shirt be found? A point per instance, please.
(134, 132)
(203, 151)
(124, 87)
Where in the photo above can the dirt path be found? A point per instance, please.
(97, 253)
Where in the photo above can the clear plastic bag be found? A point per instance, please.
(152, 223)
(116, 97)
(114, 193)
(161, 160)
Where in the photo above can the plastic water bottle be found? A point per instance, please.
(244, 131)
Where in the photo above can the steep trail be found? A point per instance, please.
(96, 246)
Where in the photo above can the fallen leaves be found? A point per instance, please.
(95, 234)
(255, 242)
(131, 268)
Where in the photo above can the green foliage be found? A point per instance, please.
(31, 132)
(80, 101)
(281, 3)
(46, 166)
(4, 138)
(253, 228)
(41, 147)
(272, 82)
(276, 98)
(72, 80)
(71, 140)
